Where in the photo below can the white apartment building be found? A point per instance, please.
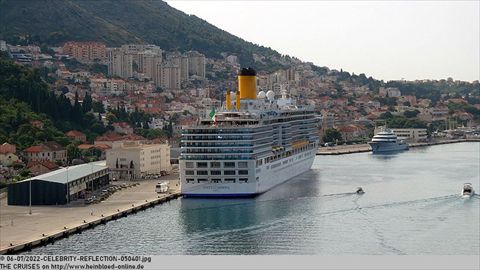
(196, 64)
(3, 46)
(108, 86)
(389, 92)
(149, 62)
(130, 58)
(133, 160)
(137, 48)
(182, 62)
(169, 76)
(232, 59)
(408, 134)
(120, 63)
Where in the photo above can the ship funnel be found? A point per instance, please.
(228, 100)
(237, 101)
(247, 83)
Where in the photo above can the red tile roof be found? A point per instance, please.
(35, 149)
(47, 164)
(46, 146)
(74, 133)
(112, 137)
(100, 146)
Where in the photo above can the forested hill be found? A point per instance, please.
(116, 22)
(24, 98)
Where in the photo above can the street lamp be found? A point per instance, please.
(30, 196)
(92, 176)
(68, 188)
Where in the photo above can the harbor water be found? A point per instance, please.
(412, 205)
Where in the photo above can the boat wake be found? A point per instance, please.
(338, 194)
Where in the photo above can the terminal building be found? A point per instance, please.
(60, 186)
(134, 160)
(408, 134)
(411, 134)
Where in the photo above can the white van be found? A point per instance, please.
(161, 187)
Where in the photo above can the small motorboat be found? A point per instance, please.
(467, 190)
(360, 191)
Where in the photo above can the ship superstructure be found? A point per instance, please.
(387, 141)
(252, 144)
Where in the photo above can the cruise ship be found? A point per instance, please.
(253, 143)
(387, 141)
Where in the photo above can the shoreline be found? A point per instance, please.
(363, 148)
(30, 231)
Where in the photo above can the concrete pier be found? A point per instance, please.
(21, 231)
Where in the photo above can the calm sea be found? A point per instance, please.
(412, 205)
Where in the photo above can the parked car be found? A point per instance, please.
(90, 200)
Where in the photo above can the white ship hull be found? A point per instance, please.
(381, 147)
(260, 179)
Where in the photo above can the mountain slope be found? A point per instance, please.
(117, 22)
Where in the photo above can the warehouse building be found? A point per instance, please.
(60, 186)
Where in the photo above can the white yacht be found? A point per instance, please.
(252, 144)
(387, 141)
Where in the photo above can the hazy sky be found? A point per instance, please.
(384, 39)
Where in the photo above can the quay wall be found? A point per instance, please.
(103, 219)
(366, 148)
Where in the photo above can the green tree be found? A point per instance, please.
(97, 106)
(77, 109)
(386, 115)
(332, 135)
(72, 152)
(411, 114)
(111, 118)
(87, 103)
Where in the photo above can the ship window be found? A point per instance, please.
(215, 172)
(202, 164)
(229, 164)
(188, 164)
(230, 180)
(243, 172)
(242, 164)
(190, 180)
(229, 172)
(199, 180)
(202, 172)
(216, 180)
(243, 180)
(189, 173)
(215, 164)
(276, 165)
